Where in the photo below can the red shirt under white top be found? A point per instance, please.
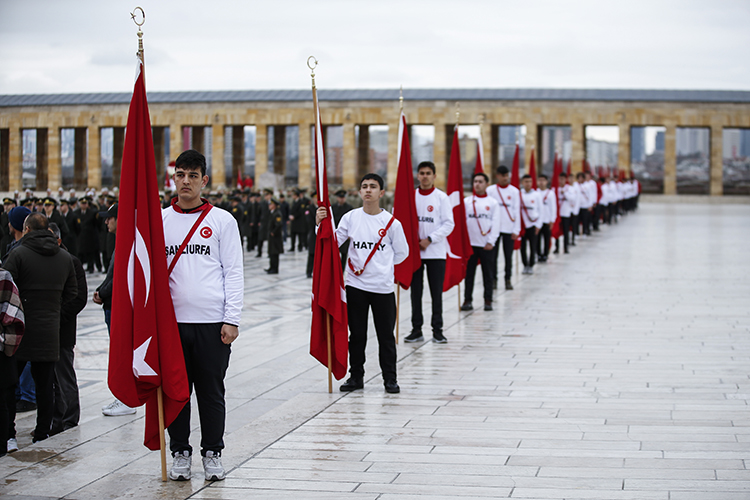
(482, 219)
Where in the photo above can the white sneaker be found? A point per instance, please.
(12, 445)
(212, 467)
(181, 463)
(117, 408)
(531, 270)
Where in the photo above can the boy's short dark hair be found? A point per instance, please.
(480, 174)
(426, 164)
(526, 176)
(580, 175)
(375, 177)
(191, 160)
(502, 170)
(542, 176)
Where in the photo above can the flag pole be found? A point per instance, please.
(330, 357)
(398, 307)
(159, 392)
(398, 286)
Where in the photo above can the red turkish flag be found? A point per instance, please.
(556, 171)
(479, 165)
(459, 246)
(145, 348)
(532, 170)
(328, 294)
(515, 180)
(405, 207)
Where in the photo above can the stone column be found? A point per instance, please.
(175, 141)
(94, 159)
(261, 151)
(352, 160)
(305, 156)
(79, 162)
(48, 169)
(392, 171)
(4, 159)
(217, 156)
(158, 136)
(670, 159)
(279, 150)
(363, 156)
(623, 148)
(15, 158)
(716, 162)
(439, 155)
(578, 149)
(532, 130)
(118, 145)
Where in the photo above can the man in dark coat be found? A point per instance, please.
(284, 209)
(5, 235)
(88, 238)
(46, 280)
(54, 216)
(275, 241)
(264, 218)
(253, 213)
(339, 209)
(74, 228)
(309, 215)
(298, 220)
(67, 410)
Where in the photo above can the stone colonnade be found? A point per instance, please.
(88, 120)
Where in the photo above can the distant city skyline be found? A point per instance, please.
(87, 46)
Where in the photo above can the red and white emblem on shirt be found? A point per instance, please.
(532, 201)
(508, 197)
(206, 232)
(487, 208)
(430, 208)
(381, 232)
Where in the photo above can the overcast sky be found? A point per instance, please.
(88, 46)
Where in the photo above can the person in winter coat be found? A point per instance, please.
(46, 280)
(275, 237)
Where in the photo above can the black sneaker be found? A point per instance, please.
(414, 337)
(508, 285)
(439, 338)
(467, 306)
(352, 384)
(23, 406)
(391, 387)
(487, 305)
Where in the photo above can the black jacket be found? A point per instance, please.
(46, 279)
(70, 310)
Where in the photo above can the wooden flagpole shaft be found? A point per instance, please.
(398, 307)
(330, 358)
(162, 443)
(517, 252)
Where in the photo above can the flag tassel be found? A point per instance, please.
(330, 356)
(162, 441)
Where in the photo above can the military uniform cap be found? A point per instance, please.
(50, 201)
(8, 200)
(268, 190)
(341, 193)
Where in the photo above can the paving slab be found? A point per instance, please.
(620, 371)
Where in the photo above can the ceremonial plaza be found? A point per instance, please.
(617, 370)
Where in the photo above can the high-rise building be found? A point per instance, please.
(659, 141)
(638, 144)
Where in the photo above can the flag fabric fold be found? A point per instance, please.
(328, 294)
(459, 246)
(405, 207)
(556, 171)
(145, 347)
(479, 165)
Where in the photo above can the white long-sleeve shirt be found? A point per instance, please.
(435, 215)
(510, 207)
(482, 219)
(531, 204)
(207, 283)
(567, 199)
(584, 195)
(576, 189)
(364, 230)
(549, 206)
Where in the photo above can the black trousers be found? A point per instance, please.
(435, 277)
(585, 218)
(487, 266)
(529, 241)
(43, 373)
(565, 226)
(206, 361)
(573, 227)
(383, 306)
(301, 238)
(612, 213)
(597, 213)
(8, 378)
(543, 241)
(67, 410)
(273, 262)
(505, 242)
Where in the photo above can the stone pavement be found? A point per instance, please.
(619, 371)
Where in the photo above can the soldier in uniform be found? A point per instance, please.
(88, 238)
(299, 223)
(339, 209)
(5, 236)
(74, 228)
(263, 219)
(50, 209)
(237, 211)
(275, 241)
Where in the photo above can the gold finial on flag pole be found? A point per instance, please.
(458, 112)
(312, 67)
(401, 98)
(139, 24)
